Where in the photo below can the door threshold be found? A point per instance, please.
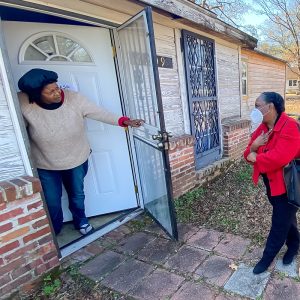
(69, 249)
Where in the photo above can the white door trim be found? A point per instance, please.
(14, 118)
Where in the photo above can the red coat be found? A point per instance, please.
(282, 147)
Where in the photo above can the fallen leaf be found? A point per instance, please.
(233, 266)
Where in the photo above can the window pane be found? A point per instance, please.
(33, 54)
(244, 70)
(153, 182)
(81, 56)
(65, 45)
(295, 82)
(244, 87)
(290, 82)
(46, 44)
(58, 58)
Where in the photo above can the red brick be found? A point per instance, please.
(15, 234)
(36, 184)
(46, 239)
(5, 279)
(11, 214)
(45, 249)
(47, 257)
(34, 264)
(54, 262)
(2, 196)
(22, 251)
(33, 216)
(30, 287)
(36, 235)
(35, 205)
(40, 223)
(10, 190)
(13, 286)
(6, 227)
(40, 269)
(9, 247)
(2, 206)
(12, 266)
(20, 271)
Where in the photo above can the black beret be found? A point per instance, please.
(36, 79)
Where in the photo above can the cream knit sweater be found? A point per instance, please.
(57, 137)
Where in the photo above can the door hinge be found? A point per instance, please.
(136, 190)
(114, 51)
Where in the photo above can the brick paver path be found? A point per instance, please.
(201, 265)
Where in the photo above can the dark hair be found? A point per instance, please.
(34, 95)
(276, 99)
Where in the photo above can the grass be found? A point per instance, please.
(51, 283)
(231, 203)
(185, 205)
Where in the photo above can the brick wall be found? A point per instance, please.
(26, 245)
(182, 163)
(235, 137)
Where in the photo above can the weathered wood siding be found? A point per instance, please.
(169, 80)
(264, 74)
(228, 81)
(11, 163)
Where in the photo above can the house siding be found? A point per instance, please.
(228, 81)
(264, 74)
(169, 80)
(11, 163)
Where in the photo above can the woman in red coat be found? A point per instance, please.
(273, 145)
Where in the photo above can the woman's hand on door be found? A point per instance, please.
(134, 123)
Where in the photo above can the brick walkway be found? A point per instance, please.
(148, 265)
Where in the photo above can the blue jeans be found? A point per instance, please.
(73, 181)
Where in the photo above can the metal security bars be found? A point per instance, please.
(200, 70)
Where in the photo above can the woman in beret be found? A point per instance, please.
(59, 144)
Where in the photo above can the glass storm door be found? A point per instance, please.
(142, 100)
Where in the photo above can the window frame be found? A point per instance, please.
(29, 41)
(244, 78)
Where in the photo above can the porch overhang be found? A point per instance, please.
(191, 14)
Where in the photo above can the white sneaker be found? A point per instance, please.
(86, 228)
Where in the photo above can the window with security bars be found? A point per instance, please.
(199, 55)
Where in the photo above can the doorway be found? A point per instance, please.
(83, 59)
(133, 67)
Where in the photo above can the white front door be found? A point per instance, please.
(90, 70)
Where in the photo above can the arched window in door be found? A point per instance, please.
(53, 47)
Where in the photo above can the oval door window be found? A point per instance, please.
(53, 47)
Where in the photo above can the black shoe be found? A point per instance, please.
(288, 257)
(262, 266)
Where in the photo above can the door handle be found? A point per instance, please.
(157, 137)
